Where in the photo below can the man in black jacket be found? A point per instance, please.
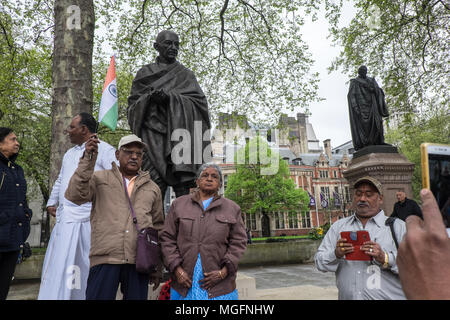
(405, 207)
(15, 215)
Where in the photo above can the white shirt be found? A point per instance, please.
(358, 280)
(68, 211)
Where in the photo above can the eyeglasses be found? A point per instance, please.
(130, 153)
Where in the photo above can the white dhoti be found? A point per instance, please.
(66, 264)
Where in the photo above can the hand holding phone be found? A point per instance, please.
(356, 239)
(435, 160)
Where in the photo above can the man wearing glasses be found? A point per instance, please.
(66, 263)
(367, 270)
(114, 235)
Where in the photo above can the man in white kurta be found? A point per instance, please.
(66, 264)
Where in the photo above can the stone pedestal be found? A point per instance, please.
(392, 169)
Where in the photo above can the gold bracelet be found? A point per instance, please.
(386, 260)
(220, 274)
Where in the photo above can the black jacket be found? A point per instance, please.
(405, 209)
(15, 215)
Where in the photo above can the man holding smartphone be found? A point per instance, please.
(376, 276)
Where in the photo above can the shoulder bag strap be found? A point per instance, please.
(129, 202)
(390, 222)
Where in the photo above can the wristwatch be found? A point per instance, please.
(386, 260)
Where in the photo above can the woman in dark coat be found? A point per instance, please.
(15, 215)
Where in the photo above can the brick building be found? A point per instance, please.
(312, 168)
(316, 170)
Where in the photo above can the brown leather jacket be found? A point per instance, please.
(218, 234)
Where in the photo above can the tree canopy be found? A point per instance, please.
(248, 56)
(406, 44)
(255, 191)
(408, 139)
(25, 88)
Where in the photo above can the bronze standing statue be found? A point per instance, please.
(165, 96)
(367, 108)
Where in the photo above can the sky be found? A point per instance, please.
(329, 118)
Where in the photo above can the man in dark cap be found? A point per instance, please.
(166, 97)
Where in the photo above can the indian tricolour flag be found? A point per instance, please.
(109, 105)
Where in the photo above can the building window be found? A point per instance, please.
(323, 173)
(326, 192)
(225, 181)
(347, 194)
(250, 219)
(293, 220)
(279, 220)
(335, 174)
(306, 220)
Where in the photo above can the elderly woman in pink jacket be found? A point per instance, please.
(202, 241)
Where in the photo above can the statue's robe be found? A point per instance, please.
(155, 123)
(367, 108)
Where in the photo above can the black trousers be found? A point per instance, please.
(8, 262)
(104, 279)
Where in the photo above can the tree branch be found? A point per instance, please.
(263, 17)
(222, 25)
(40, 31)
(11, 47)
(140, 23)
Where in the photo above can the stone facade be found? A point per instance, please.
(393, 171)
(310, 168)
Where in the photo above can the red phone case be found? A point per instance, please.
(361, 237)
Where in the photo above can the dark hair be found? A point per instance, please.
(4, 132)
(88, 120)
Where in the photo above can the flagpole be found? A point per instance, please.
(317, 215)
(96, 133)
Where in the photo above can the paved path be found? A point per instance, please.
(292, 282)
(268, 277)
(286, 282)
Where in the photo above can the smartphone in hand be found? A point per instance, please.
(435, 161)
(357, 239)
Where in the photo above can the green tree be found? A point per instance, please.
(25, 89)
(408, 138)
(406, 44)
(248, 56)
(265, 193)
